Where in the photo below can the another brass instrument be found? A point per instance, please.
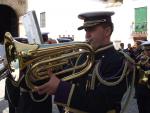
(36, 60)
(144, 75)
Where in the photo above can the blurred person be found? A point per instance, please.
(129, 50)
(52, 41)
(138, 49)
(45, 37)
(48, 40)
(121, 47)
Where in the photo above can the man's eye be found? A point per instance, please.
(89, 29)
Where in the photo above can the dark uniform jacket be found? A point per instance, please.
(88, 94)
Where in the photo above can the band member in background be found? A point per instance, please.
(142, 86)
(88, 94)
(129, 50)
(48, 40)
(121, 47)
(45, 37)
(137, 50)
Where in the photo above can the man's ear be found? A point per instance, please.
(108, 31)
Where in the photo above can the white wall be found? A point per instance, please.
(62, 16)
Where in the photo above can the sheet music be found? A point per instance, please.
(32, 28)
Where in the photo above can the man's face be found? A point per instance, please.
(147, 52)
(129, 45)
(96, 36)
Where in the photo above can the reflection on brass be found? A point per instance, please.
(144, 75)
(38, 59)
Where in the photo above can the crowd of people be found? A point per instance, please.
(140, 52)
(102, 87)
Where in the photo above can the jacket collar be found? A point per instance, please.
(106, 47)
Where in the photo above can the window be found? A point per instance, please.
(43, 19)
(141, 19)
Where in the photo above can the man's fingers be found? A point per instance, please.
(50, 73)
(42, 89)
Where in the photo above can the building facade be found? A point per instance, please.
(134, 14)
(130, 19)
(10, 13)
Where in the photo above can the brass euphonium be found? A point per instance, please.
(36, 60)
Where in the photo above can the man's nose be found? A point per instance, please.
(88, 35)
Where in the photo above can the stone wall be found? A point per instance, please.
(20, 6)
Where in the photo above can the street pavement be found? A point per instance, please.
(3, 103)
(132, 107)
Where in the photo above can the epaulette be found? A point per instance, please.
(126, 70)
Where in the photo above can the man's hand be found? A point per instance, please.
(50, 87)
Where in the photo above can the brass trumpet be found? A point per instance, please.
(36, 60)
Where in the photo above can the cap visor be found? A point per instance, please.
(81, 27)
(90, 25)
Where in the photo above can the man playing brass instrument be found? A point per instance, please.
(103, 86)
(143, 83)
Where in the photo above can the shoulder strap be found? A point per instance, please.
(128, 58)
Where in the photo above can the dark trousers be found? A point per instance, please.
(143, 99)
(27, 105)
(12, 95)
(61, 109)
